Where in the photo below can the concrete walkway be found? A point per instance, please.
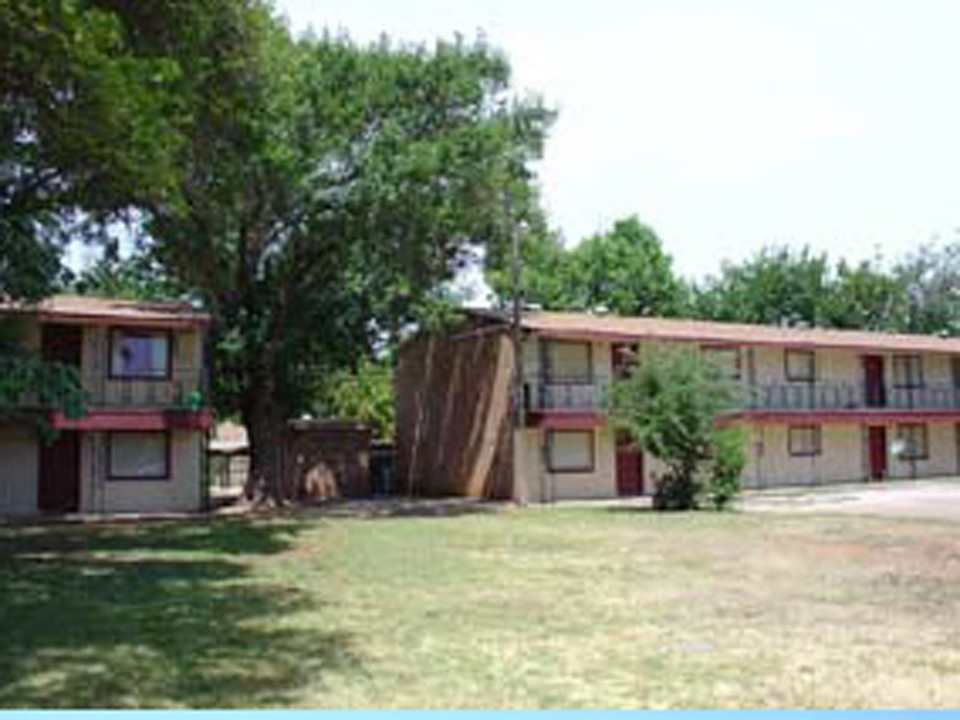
(936, 499)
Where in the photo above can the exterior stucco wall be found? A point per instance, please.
(181, 492)
(19, 454)
(544, 485)
(770, 464)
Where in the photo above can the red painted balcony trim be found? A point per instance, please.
(144, 420)
(566, 420)
(850, 416)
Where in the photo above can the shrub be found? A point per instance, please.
(729, 459)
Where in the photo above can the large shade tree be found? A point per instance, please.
(328, 190)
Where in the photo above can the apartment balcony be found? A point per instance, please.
(183, 390)
(590, 396)
(573, 394)
(832, 397)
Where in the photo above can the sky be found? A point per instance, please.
(726, 125)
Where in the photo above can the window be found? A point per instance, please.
(803, 440)
(726, 359)
(913, 443)
(138, 456)
(800, 365)
(907, 371)
(140, 354)
(570, 451)
(568, 361)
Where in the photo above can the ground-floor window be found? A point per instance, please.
(138, 456)
(570, 450)
(804, 440)
(913, 440)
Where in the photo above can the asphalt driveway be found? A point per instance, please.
(937, 499)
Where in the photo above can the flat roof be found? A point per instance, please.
(627, 329)
(87, 310)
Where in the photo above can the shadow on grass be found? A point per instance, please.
(396, 507)
(155, 616)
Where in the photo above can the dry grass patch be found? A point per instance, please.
(559, 607)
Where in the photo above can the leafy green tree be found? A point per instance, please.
(930, 277)
(364, 393)
(85, 132)
(624, 271)
(778, 286)
(669, 405)
(329, 190)
(865, 297)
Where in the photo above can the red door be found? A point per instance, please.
(629, 468)
(58, 479)
(876, 395)
(877, 451)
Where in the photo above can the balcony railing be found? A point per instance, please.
(583, 394)
(566, 394)
(184, 390)
(850, 396)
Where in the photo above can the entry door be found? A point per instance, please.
(877, 452)
(629, 467)
(58, 481)
(876, 395)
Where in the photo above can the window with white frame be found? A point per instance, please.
(570, 451)
(804, 440)
(800, 365)
(140, 354)
(138, 456)
(726, 360)
(914, 443)
(907, 371)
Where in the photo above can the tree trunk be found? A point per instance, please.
(265, 430)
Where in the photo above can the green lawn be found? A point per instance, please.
(560, 607)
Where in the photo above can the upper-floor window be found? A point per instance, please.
(907, 371)
(800, 365)
(567, 361)
(726, 360)
(140, 354)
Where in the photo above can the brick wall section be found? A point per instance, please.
(328, 459)
(454, 433)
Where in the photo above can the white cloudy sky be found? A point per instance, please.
(724, 124)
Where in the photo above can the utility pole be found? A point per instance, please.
(517, 319)
(518, 413)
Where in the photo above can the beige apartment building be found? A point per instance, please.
(139, 446)
(819, 406)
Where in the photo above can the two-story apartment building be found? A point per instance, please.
(819, 406)
(139, 447)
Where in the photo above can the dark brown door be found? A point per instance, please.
(876, 395)
(58, 486)
(877, 451)
(62, 343)
(629, 467)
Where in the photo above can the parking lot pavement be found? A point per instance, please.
(936, 499)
